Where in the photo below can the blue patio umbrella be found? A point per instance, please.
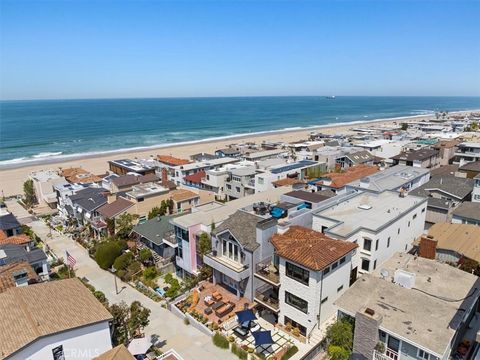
(245, 315)
(262, 338)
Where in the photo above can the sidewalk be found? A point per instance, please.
(172, 332)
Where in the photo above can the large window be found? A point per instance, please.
(366, 264)
(296, 302)
(367, 244)
(297, 273)
(230, 250)
(181, 234)
(303, 329)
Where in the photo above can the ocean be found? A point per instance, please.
(37, 129)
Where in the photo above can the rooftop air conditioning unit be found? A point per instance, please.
(404, 279)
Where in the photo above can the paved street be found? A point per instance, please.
(172, 332)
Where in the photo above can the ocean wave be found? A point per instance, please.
(46, 154)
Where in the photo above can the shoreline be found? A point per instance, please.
(22, 162)
(12, 176)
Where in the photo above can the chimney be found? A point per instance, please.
(164, 176)
(111, 198)
(428, 247)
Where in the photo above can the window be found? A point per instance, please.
(229, 187)
(342, 260)
(324, 300)
(297, 273)
(423, 210)
(230, 250)
(326, 271)
(423, 354)
(340, 288)
(409, 224)
(334, 265)
(414, 216)
(398, 232)
(58, 353)
(374, 264)
(237, 189)
(140, 199)
(367, 244)
(303, 329)
(181, 234)
(296, 302)
(376, 244)
(365, 264)
(388, 242)
(260, 181)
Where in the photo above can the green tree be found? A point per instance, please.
(145, 255)
(120, 314)
(106, 253)
(204, 244)
(124, 225)
(340, 334)
(156, 211)
(337, 353)
(404, 126)
(29, 193)
(122, 262)
(138, 317)
(470, 266)
(150, 273)
(101, 297)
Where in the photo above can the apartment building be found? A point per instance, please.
(419, 309)
(380, 223)
(467, 152)
(181, 171)
(43, 183)
(189, 227)
(313, 271)
(393, 178)
(425, 158)
(240, 183)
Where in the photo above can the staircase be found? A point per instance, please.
(156, 258)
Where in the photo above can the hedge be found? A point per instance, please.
(290, 352)
(220, 341)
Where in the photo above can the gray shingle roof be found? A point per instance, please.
(154, 229)
(90, 198)
(471, 166)
(243, 227)
(414, 155)
(16, 253)
(360, 157)
(8, 222)
(469, 210)
(458, 187)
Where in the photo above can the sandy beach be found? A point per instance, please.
(11, 180)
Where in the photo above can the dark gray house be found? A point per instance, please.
(35, 257)
(10, 225)
(157, 234)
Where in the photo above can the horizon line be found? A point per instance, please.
(232, 96)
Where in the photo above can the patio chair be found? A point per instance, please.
(208, 301)
(225, 309)
(217, 296)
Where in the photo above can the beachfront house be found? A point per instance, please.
(43, 183)
(181, 171)
(416, 308)
(58, 320)
(312, 271)
(380, 223)
(127, 166)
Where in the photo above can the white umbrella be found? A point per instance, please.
(139, 346)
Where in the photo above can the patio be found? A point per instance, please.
(280, 339)
(217, 310)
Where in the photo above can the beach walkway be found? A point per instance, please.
(171, 331)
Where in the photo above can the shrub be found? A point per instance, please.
(242, 354)
(340, 334)
(220, 341)
(150, 273)
(296, 331)
(145, 255)
(186, 321)
(106, 254)
(289, 353)
(122, 262)
(338, 353)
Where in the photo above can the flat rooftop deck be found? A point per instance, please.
(428, 314)
(366, 210)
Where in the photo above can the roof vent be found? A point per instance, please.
(404, 279)
(365, 207)
(369, 311)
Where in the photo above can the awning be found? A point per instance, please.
(262, 338)
(245, 315)
(139, 346)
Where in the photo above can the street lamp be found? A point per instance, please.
(115, 279)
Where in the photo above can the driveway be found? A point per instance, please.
(172, 332)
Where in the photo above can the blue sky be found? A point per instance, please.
(108, 49)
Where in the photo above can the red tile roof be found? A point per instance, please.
(339, 180)
(16, 239)
(310, 248)
(171, 160)
(195, 178)
(287, 181)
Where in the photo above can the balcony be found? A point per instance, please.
(231, 268)
(267, 272)
(388, 355)
(268, 297)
